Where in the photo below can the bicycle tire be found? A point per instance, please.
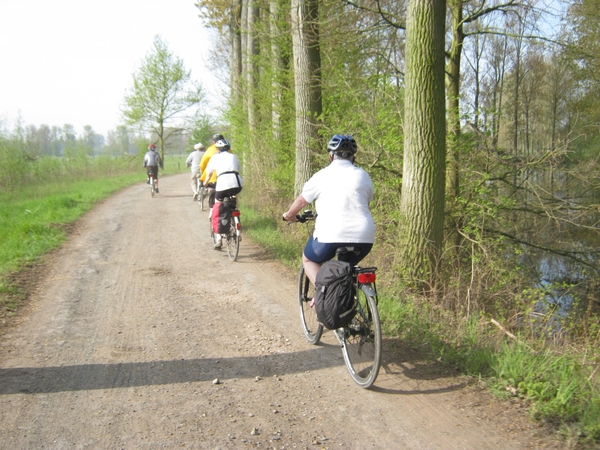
(233, 241)
(152, 187)
(308, 316)
(362, 342)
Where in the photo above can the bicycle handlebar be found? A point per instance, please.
(306, 215)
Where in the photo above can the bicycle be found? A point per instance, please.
(361, 339)
(233, 236)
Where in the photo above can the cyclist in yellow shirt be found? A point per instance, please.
(210, 151)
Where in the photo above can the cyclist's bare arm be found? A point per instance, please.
(290, 214)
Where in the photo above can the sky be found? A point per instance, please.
(72, 61)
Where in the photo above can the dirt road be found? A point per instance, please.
(120, 344)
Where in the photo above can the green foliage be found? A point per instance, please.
(265, 230)
(162, 92)
(559, 387)
(202, 131)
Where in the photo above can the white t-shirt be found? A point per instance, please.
(225, 162)
(342, 193)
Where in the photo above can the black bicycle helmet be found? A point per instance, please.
(343, 145)
(217, 137)
(222, 145)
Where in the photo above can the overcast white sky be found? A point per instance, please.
(71, 61)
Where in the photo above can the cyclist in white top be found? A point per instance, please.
(229, 182)
(342, 193)
(193, 161)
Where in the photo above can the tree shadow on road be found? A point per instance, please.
(33, 380)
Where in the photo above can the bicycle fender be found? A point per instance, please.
(368, 290)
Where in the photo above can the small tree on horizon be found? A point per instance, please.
(161, 94)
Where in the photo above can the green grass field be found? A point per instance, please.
(34, 218)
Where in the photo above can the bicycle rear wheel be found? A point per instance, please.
(308, 316)
(152, 186)
(233, 240)
(362, 342)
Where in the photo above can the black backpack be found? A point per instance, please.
(335, 302)
(224, 217)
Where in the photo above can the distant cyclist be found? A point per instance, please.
(229, 182)
(210, 182)
(193, 161)
(151, 161)
(342, 193)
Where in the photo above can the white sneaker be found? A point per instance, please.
(217, 245)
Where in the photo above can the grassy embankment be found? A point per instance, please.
(34, 216)
(557, 382)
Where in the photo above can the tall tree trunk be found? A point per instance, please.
(454, 127)
(278, 68)
(498, 95)
(244, 56)
(252, 67)
(453, 81)
(423, 180)
(307, 79)
(517, 86)
(235, 62)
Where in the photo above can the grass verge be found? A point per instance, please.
(35, 219)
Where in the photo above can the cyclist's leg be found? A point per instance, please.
(315, 254)
(211, 198)
(195, 184)
(310, 268)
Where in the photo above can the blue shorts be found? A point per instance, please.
(320, 252)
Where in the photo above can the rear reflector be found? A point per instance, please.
(235, 213)
(364, 278)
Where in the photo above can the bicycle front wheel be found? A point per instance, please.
(308, 316)
(233, 241)
(362, 342)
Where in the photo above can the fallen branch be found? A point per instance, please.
(504, 330)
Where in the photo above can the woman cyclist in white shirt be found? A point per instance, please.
(342, 193)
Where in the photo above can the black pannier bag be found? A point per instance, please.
(335, 302)
(224, 217)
